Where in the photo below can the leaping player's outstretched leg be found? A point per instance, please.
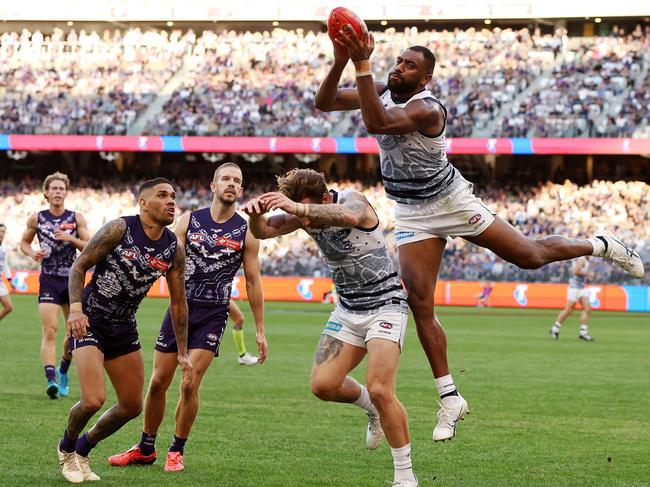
(419, 265)
(512, 245)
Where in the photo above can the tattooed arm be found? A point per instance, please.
(178, 310)
(105, 240)
(355, 211)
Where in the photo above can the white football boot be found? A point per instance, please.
(84, 463)
(374, 434)
(622, 255)
(248, 359)
(70, 467)
(406, 483)
(452, 409)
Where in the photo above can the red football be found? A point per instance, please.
(341, 16)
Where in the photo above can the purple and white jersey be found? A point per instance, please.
(214, 253)
(122, 279)
(59, 254)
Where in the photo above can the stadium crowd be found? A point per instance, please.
(522, 82)
(568, 209)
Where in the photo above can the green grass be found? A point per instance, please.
(543, 413)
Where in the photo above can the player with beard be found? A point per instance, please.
(128, 255)
(434, 201)
(217, 241)
(60, 234)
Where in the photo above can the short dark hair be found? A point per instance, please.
(2, 225)
(225, 164)
(428, 56)
(153, 182)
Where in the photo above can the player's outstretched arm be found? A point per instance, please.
(329, 96)
(105, 240)
(178, 310)
(419, 115)
(356, 211)
(255, 292)
(263, 226)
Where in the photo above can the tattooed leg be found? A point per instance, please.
(127, 376)
(332, 362)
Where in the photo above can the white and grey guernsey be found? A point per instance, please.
(576, 281)
(364, 274)
(414, 167)
(4, 263)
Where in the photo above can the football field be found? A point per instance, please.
(543, 413)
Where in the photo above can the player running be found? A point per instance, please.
(5, 299)
(216, 241)
(129, 254)
(60, 234)
(576, 293)
(434, 201)
(371, 314)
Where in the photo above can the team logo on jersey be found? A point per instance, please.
(475, 219)
(229, 243)
(159, 264)
(129, 254)
(386, 325)
(197, 237)
(67, 226)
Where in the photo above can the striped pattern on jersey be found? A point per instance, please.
(361, 266)
(414, 167)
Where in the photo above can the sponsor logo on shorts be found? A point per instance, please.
(403, 235)
(212, 344)
(137, 342)
(386, 325)
(475, 219)
(212, 336)
(333, 326)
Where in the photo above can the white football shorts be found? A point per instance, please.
(357, 329)
(3, 289)
(575, 294)
(460, 214)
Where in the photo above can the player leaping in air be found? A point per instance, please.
(434, 201)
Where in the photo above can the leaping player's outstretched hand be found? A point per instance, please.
(255, 207)
(358, 49)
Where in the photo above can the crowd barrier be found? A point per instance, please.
(452, 293)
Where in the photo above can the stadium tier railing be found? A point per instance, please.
(313, 145)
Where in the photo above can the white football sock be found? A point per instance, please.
(445, 385)
(364, 402)
(402, 463)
